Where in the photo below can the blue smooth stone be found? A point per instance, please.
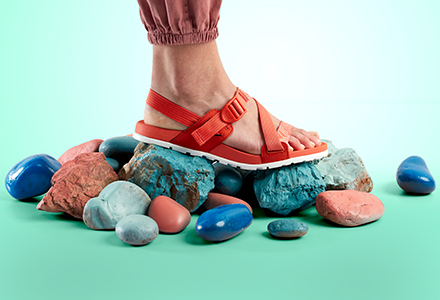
(120, 148)
(414, 177)
(223, 222)
(287, 228)
(31, 177)
(113, 163)
(228, 181)
(137, 230)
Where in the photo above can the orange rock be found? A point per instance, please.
(170, 216)
(348, 207)
(90, 146)
(216, 199)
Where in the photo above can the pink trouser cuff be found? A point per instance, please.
(174, 22)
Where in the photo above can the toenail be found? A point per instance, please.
(313, 144)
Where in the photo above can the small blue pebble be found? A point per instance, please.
(137, 230)
(414, 177)
(229, 181)
(223, 222)
(287, 228)
(113, 163)
(31, 177)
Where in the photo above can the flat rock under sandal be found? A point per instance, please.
(205, 135)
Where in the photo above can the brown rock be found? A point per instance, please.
(349, 208)
(170, 216)
(77, 182)
(87, 147)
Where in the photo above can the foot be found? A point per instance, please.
(193, 77)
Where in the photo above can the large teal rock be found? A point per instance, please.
(159, 171)
(288, 189)
(116, 201)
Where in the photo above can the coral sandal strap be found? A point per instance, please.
(271, 137)
(171, 109)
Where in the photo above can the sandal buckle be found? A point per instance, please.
(232, 111)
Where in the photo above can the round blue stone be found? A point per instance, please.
(228, 181)
(414, 177)
(113, 163)
(31, 177)
(120, 148)
(223, 222)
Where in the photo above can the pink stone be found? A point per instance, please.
(87, 147)
(349, 207)
(216, 199)
(170, 216)
(76, 182)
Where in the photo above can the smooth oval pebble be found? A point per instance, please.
(349, 207)
(120, 148)
(113, 163)
(137, 230)
(287, 228)
(413, 176)
(223, 222)
(216, 199)
(32, 176)
(228, 181)
(170, 216)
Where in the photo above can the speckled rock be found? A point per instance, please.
(76, 182)
(413, 176)
(343, 169)
(170, 216)
(87, 147)
(228, 181)
(287, 228)
(288, 189)
(160, 171)
(137, 230)
(223, 222)
(116, 200)
(216, 199)
(120, 148)
(349, 207)
(32, 176)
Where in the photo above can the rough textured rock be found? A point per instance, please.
(287, 229)
(87, 147)
(349, 207)
(228, 181)
(120, 148)
(216, 199)
(77, 182)
(116, 200)
(343, 169)
(413, 176)
(223, 222)
(170, 216)
(160, 171)
(288, 189)
(137, 230)
(32, 176)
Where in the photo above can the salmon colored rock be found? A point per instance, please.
(349, 207)
(170, 216)
(216, 199)
(76, 182)
(87, 147)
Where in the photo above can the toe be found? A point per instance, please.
(295, 143)
(306, 138)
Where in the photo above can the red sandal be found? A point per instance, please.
(205, 135)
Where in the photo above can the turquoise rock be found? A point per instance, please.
(116, 200)
(413, 176)
(137, 230)
(159, 171)
(287, 228)
(223, 222)
(288, 189)
(32, 176)
(120, 148)
(113, 163)
(228, 181)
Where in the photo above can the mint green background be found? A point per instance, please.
(365, 74)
